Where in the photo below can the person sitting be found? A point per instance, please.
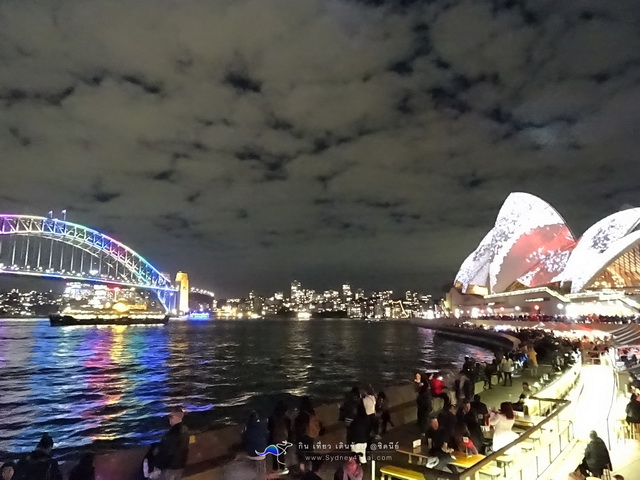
(633, 409)
(39, 463)
(470, 419)
(596, 457)
(439, 390)
(350, 470)
(520, 405)
(439, 451)
(480, 409)
(463, 441)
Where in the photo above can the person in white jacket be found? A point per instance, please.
(502, 421)
(507, 370)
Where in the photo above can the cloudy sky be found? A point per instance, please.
(250, 142)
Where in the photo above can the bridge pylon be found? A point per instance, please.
(182, 279)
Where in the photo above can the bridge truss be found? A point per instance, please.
(49, 247)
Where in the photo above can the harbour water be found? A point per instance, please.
(110, 386)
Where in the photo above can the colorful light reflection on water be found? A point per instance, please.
(110, 386)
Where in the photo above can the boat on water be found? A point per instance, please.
(107, 313)
(65, 320)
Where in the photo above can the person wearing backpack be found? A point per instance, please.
(307, 428)
(39, 464)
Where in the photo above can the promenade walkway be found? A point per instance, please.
(405, 434)
(591, 411)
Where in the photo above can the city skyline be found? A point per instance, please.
(342, 140)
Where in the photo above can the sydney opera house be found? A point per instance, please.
(530, 263)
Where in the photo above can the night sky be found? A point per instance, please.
(253, 142)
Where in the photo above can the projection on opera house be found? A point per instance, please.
(531, 248)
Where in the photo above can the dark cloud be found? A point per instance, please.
(370, 141)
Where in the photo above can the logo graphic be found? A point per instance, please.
(278, 450)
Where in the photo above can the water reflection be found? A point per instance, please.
(111, 385)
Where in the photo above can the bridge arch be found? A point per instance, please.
(49, 247)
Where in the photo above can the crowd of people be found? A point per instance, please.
(556, 318)
(164, 461)
(450, 416)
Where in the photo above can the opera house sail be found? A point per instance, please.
(530, 262)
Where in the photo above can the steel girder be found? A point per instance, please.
(130, 267)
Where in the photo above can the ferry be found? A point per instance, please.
(64, 320)
(120, 313)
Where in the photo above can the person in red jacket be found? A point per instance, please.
(439, 389)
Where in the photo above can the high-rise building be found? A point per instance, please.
(296, 291)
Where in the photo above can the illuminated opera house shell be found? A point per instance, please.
(530, 246)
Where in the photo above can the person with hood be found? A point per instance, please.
(255, 440)
(596, 457)
(84, 470)
(351, 470)
(39, 463)
(174, 447)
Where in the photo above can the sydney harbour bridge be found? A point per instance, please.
(52, 248)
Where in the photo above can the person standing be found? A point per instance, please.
(424, 406)
(255, 442)
(503, 421)
(369, 403)
(359, 434)
(507, 370)
(307, 428)
(39, 463)
(382, 411)
(533, 361)
(349, 407)
(279, 426)
(174, 447)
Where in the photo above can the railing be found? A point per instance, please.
(552, 436)
(560, 433)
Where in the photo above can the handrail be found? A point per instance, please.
(473, 470)
(614, 393)
(491, 458)
(559, 405)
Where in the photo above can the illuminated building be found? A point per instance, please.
(531, 263)
(296, 292)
